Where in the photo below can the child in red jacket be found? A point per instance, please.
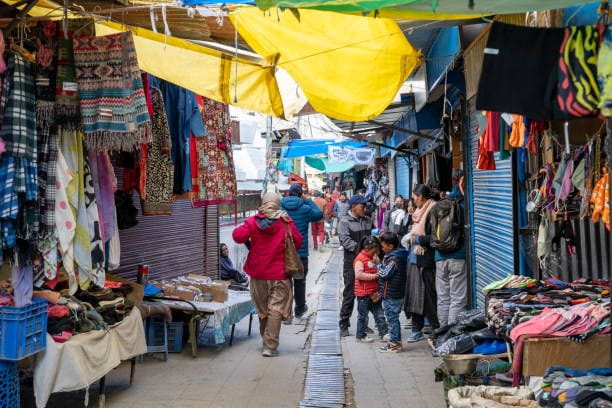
(366, 290)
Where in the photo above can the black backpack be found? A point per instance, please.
(447, 226)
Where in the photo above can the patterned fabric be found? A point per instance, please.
(67, 111)
(105, 185)
(65, 220)
(19, 119)
(600, 200)
(604, 74)
(159, 166)
(93, 224)
(578, 91)
(217, 177)
(113, 106)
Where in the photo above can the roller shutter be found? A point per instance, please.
(492, 233)
(402, 176)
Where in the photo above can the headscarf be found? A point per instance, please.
(270, 207)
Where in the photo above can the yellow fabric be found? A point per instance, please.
(205, 71)
(349, 67)
(405, 15)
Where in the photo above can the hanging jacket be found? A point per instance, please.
(365, 281)
(392, 274)
(266, 238)
(303, 212)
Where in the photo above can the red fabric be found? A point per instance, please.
(486, 161)
(266, 259)
(535, 130)
(491, 136)
(58, 311)
(318, 234)
(363, 287)
(193, 162)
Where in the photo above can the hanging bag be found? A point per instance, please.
(293, 264)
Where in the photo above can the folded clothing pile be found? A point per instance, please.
(563, 387)
(470, 333)
(94, 309)
(491, 397)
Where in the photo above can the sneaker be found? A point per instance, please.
(369, 331)
(344, 332)
(269, 352)
(366, 339)
(302, 313)
(385, 338)
(415, 336)
(288, 322)
(390, 347)
(428, 330)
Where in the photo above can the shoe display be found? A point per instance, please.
(269, 352)
(415, 336)
(366, 339)
(390, 348)
(344, 332)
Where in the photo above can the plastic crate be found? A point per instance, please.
(155, 334)
(23, 330)
(9, 385)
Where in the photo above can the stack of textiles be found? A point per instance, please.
(563, 387)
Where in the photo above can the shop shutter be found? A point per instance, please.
(402, 176)
(211, 255)
(172, 245)
(492, 232)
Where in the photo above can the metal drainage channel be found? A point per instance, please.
(324, 386)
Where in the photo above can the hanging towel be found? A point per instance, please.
(113, 105)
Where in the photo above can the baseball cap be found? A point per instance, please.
(357, 199)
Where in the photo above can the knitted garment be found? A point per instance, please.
(113, 105)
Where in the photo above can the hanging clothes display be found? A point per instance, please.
(113, 106)
(184, 119)
(159, 166)
(604, 73)
(217, 176)
(601, 199)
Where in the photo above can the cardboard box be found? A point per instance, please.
(218, 289)
(540, 354)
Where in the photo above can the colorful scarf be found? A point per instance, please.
(604, 74)
(105, 185)
(113, 105)
(419, 218)
(159, 166)
(578, 91)
(67, 111)
(94, 228)
(65, 221)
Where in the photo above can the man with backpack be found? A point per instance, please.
(448, 239)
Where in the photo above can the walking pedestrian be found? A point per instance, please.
(270, 287)
(366, 291)
(392, 286)
(421, 300)
(318, 227)
(393, 218)
(303, 211)
(352, 229)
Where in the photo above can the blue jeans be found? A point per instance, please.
(365, 306)
(392, 309)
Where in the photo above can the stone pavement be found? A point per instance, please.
(384, 380)
(219, 377)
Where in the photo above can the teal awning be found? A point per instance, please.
(323, 164)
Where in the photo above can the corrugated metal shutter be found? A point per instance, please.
(492, 223)
(402, 176)
(211, 255)
(172, 245)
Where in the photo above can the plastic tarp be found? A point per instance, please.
(205, 71)
(322, 164)
(424, 9)
(300, 148)
(349, 67)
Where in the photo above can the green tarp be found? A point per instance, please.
(323, 164)
(424, 9)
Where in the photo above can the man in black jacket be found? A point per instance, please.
(351, 231)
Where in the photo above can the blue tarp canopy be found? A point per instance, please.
(300, 148)
(322, 164)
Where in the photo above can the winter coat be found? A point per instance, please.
(351, 231)
(303, 212)
(392, 274)
(365, 287)
(266, 240)
(341, 209)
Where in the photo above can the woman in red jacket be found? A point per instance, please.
(271, 288)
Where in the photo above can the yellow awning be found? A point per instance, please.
(203, 70)
(349, 67)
